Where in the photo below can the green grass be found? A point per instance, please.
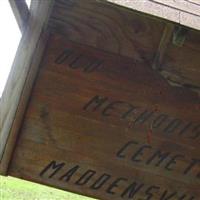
(16, 189)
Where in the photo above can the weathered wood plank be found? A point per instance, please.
(100, 121)
(70, 140)
(180, 11)
(110, 28)
(21, 12)
(181, 64)
(186, 6)
(128, 33)
(21, 78)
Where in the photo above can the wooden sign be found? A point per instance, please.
(109, 127)
(92, 104)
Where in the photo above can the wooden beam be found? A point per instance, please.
(165, 40)
(178, 13)
(184, 5)
(21, 12)
(21, 79)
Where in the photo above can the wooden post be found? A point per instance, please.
(21, 12)
(21, 78)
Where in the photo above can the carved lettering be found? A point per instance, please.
(161, 156)
(93, 65)
(166, 196)
(63, 56)
(196, 132)
(52, 166)
(100, 181)
(139, 153)
(106, 111)
(114, 185)
(120, 153)
(143, 117)
(106, 183)
(150, 192)
(191, 165)
(172, 126)
(159, 121)
(172, 162)
(95, 103)
(185, 128)
(67, 176)
(85, 177)
(127, 113)
(72, 64)
(89, 64)
(132, 190)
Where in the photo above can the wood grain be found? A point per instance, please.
(128, 33)
(99, 120)
(109, 28)
(58, 130)
(181, 64)
(21, 78)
